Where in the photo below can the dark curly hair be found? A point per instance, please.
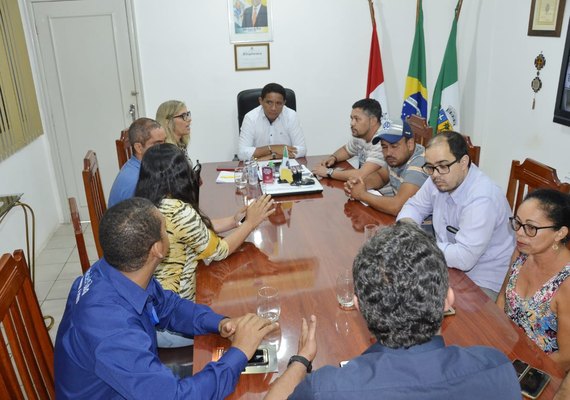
(556, 206)
(127, 232)
(401, 281)
(370, 107)
(166, 172)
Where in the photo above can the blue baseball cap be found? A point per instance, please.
(392, 132)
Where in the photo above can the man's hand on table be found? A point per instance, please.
(355, 188)
(308, 339)
(247, 332)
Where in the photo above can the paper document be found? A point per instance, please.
(374, 192)
(225, 177)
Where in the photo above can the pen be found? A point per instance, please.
(452, 229)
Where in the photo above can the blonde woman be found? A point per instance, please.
(175, 118)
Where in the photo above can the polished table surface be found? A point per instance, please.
(300, 250)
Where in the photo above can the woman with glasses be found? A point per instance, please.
(175, 118)
(167, 180)
(536, 291)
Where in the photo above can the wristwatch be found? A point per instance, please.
(308, 364)
(330, 172)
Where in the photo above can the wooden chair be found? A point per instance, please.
(421, 130)
(123, 146)
(28, 373)
(79, 240)
(94, 194)
(528, 176)
(423, 133)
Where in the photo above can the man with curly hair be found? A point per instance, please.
(401, 289)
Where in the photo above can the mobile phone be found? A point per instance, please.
(260, 357)
(520, 367)
(533, 382)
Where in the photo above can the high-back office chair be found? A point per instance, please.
(123, 147)
(78, 231)
(248, 99)
(28, 372)
(423, 133)
(94, 194)
(528, 176)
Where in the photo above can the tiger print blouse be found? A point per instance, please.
(190, 241)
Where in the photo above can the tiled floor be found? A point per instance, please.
(57, 266)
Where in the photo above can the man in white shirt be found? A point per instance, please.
(271, 126)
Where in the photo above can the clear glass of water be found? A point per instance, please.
(268, 305)
(345, 289)
(369, 231)
(240, 177)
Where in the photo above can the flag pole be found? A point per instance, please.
(458, 9)
(371, 5)
(417, 10)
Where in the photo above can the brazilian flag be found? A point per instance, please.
(415, 94)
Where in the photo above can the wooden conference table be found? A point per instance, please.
(300, 250)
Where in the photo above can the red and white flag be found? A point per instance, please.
(375, 86)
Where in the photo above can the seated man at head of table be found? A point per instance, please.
(470, 213)
(404, 174)
(143, 134)
(401, 289)
(271, 126)
(106, 343)
(365, 120)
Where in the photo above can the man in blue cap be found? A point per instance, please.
(403, 177)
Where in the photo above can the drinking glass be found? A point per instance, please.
(240, 177)
(369, 231)
(268, 306)
(345, 289)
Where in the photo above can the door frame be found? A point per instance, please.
(44, 104)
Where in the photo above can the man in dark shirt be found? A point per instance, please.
(106, 343)
(401, 289)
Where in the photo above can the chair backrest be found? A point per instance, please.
(28, 372)
(78, 231)
(95, 195)
(421, 130)
(248, 99)
(123, 146)
(423, 133)
(528, 176)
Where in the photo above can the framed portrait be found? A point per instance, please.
(562, 105)
(250, 21)
(250, 57)
(546, 17)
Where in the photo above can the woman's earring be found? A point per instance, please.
(555, 246)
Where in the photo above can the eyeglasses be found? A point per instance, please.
(187, 116)
(441, 169)
(529, 229)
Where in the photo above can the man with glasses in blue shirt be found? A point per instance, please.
(470, 213)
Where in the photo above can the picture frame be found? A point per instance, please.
(562, 105)
(250, 21)
(251, 56)
(546, 17)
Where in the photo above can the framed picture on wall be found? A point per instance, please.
(250, 57)
(562, 105)
(250, 21)
(546, 17)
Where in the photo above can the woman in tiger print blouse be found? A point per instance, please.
(167, 180)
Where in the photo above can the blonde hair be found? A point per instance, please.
(164, 115)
